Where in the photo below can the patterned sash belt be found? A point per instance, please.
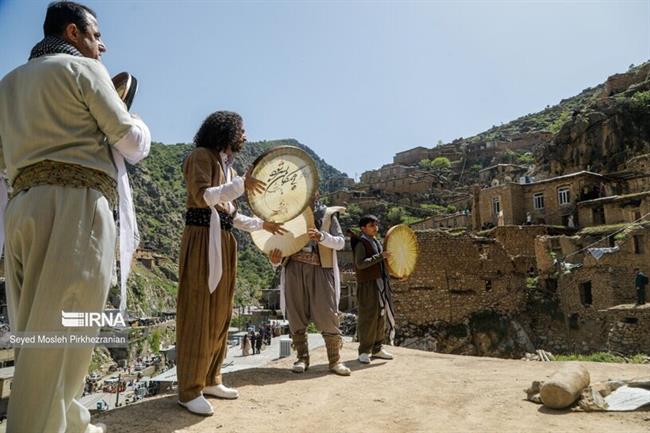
(305, 257)
(200, 216)
(65, 174)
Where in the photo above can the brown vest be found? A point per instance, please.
(373, 272)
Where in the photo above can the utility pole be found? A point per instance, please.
(117, 395)
(451, 310)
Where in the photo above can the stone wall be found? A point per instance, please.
(628, 330)
(456, 276)
(458, 219)
(518, 240)
(593, 288)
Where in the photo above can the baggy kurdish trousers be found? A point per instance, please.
(202, 318)
(59, 251)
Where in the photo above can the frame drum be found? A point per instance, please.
(402, 243)
(291, 179)
(292, 241)
(126, 86)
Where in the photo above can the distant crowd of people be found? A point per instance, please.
(253, 341)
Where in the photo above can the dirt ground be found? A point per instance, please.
(416, 392)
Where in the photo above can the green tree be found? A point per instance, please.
(526, 158)
(557, 123)
(395, 215)
(425, 163)
(254, 273)
(441, 163)
(154, 341)
(354, 210)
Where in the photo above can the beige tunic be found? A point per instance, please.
(62, 108)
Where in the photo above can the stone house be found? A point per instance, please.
(147, 258)
(458, 219)
(345, 197)
(397, 178)
(412, 156)
(451, 151)
(503, 173)
(386, 172)
(596, 286)
(551, 201)
(334, 183)
(524, 141)
(615, 209)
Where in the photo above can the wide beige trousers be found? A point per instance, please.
(60, 244)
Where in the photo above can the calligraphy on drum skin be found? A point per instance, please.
(281, 177)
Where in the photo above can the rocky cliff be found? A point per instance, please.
(609, 130)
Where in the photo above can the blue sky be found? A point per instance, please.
(357, 81)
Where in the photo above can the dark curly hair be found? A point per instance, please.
(220, 130)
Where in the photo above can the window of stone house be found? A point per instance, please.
(564, 196)
(637, 215)
(638, 244)
(573, 321)
(488, 285)
(611, 241)
(551, 285)
(598, 215)
(631, 320)
(538, 200)
(496, 205)
(586, 297)
(556, 246)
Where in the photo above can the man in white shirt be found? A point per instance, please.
(64, 135)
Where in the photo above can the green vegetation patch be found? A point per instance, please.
(639, 358)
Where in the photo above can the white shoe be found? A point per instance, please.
(341, 369)
(199, 406)
(221, 391)
(299, 367)
(364, 358)
(382, 354)
(96, 428)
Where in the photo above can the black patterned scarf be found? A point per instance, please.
(53, 45)
(319, 213)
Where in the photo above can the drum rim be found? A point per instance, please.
(130, 86)
(417, 250)
(310, 161)
(309, 218)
